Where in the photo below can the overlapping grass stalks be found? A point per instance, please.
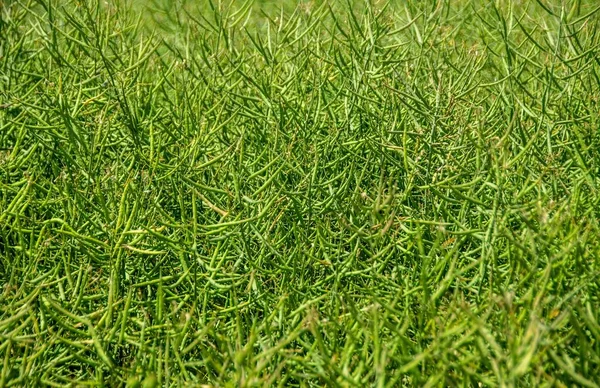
(329, 193)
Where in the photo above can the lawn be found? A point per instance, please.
(325, 193)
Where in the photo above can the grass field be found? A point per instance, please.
(341, 193)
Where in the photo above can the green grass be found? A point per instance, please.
(343, 193)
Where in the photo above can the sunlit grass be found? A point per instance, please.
(337, 193)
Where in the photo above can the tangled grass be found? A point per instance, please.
(335, 193)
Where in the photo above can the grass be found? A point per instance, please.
(335, 193)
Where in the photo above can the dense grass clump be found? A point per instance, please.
(338, 193)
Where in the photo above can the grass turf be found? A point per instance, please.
(320, 193)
